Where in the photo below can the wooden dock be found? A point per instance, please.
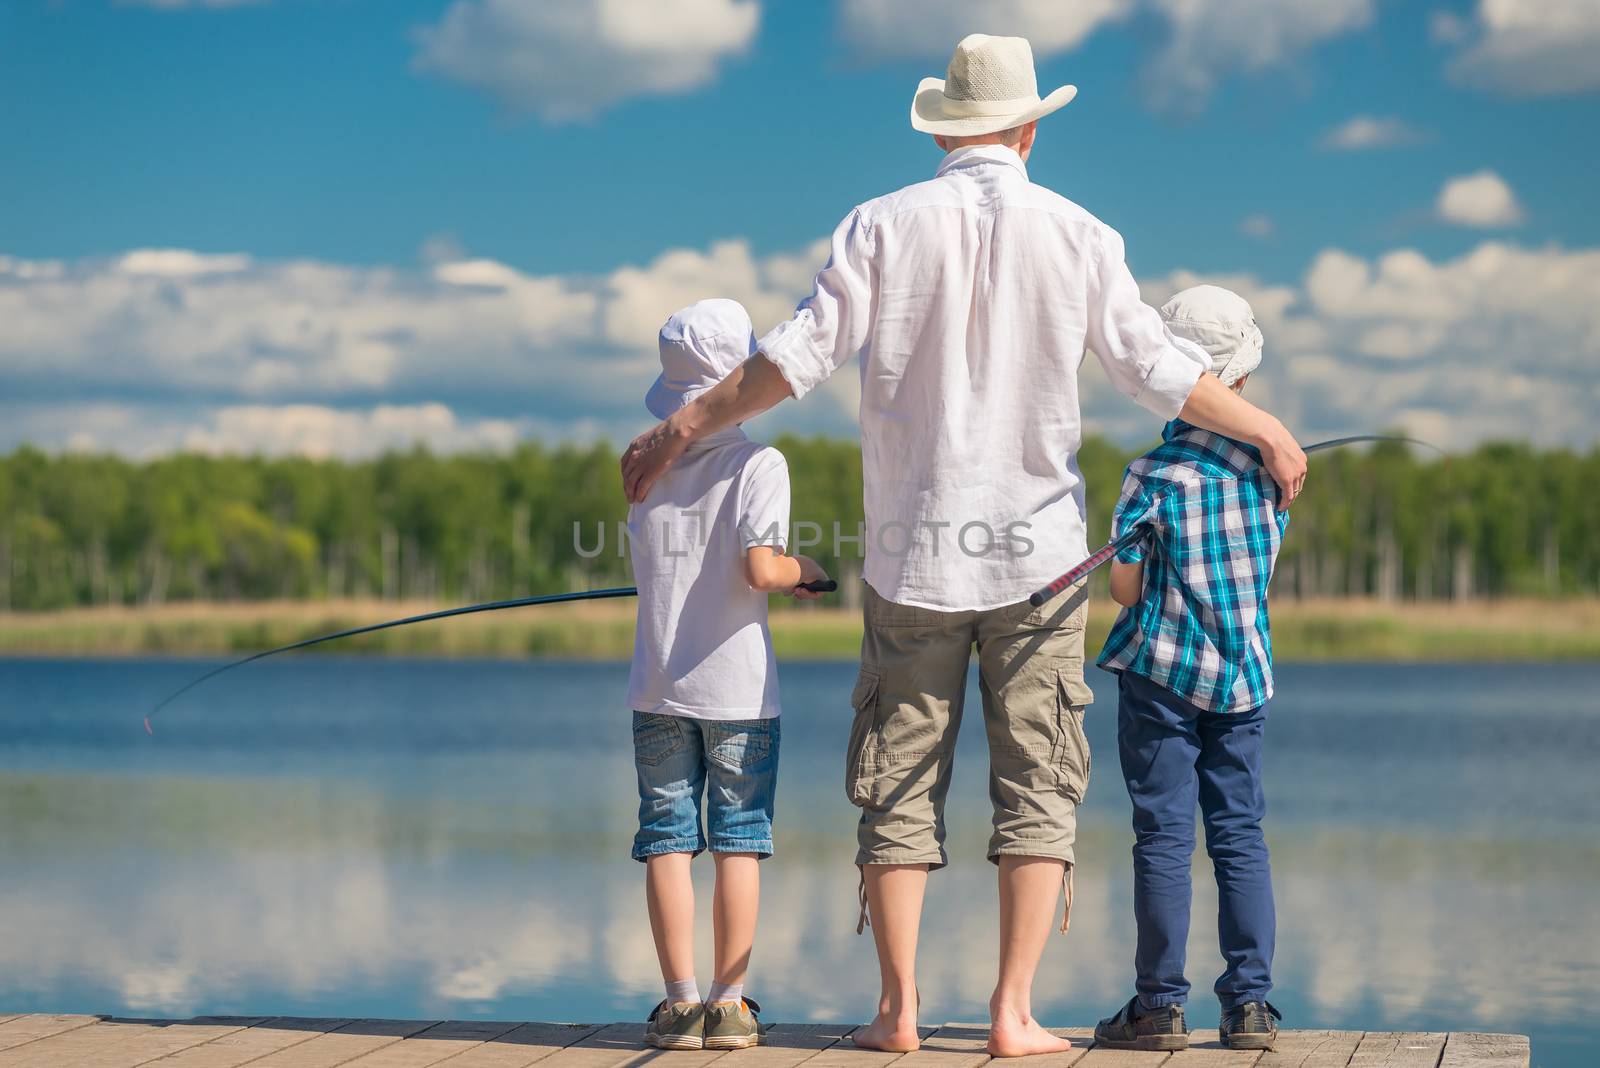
(46, 1041)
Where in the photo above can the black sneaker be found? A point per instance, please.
(1132, 1028)
(1252, 1025)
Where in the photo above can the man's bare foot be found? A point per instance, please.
(889, 1032)
(1011, 1035)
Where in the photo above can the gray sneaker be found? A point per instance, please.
(680, 1026)
(733, 1025)
(1253, 1025)
(1133, 1028)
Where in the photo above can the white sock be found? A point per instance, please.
(725, 992)
(679, 990)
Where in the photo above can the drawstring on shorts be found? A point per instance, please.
(861, 892)
(1066, 913)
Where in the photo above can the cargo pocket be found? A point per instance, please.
(861, 755)
(1070, 755)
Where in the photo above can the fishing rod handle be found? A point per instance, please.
(821, 586)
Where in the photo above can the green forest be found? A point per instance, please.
(1383, 522)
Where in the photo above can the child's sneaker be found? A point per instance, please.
(733, 1025)
(1252, 1025)
(679, 1026)
(1159, 1029)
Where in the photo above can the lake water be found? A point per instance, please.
(343, 837)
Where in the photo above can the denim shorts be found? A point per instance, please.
(733, 763)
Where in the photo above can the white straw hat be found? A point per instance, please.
(1221, 322)
(989, 86)
(700, 346)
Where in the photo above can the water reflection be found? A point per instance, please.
(362, 854)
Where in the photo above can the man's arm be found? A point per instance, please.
(1168, 376)
(828, 328)
(751, 389)
(1213, 406)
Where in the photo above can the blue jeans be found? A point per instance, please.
(1173, 754)
(734, 763)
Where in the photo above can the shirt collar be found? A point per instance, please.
(720, 437)
(976, 155)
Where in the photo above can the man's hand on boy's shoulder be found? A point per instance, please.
(810, 571)
(648, 457)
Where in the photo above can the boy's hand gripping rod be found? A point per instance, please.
(824, 586)
(1134, 534)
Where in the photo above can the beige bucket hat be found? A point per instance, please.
(989, 86)
(1221, 322)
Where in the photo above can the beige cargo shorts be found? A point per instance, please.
(908, 702)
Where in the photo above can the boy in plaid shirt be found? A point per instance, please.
(1193, 654)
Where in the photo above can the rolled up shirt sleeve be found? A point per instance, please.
(1136, 507)
(1143, 359)
(829, 326)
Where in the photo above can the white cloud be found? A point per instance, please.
(1205, 40)
(1502, 342)
(567, 61)
(932, 27)
(1482, 200)
(136, 351)
(1208, 40)
(1362, 132)
(1526, 47)
(465, 354)
(1258, 226)
(179, 263)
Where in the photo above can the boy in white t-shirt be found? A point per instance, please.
(708, 546)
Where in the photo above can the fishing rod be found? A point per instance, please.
(822, 586)
(1136, 533)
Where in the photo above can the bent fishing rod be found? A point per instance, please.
(1133, 535)
(823, 586)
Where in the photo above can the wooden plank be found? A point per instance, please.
(344, 1044)
(1398, 1049)
(253, 1043)
(951, 1046)
(522, 1046)
(7, 1017)
(788, 1046)
(1082, 1039)
(1207, 1051)
(1311, 1049)
(1122, 1058)
(173, 1038)
(621, 1045)
(78, 1045)
(437, 1043)
(1474, 1049)
(31, 1027)
(849, 1055)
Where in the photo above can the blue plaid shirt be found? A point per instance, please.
(1214, 530)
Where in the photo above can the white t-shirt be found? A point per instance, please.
(701, 647)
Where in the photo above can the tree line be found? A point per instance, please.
(1384, 522)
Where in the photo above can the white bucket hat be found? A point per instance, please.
(1221, 322)
(989, 86)
(700, 346)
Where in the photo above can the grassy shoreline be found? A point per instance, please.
(1302, 630)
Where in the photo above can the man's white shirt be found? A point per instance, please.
(971, 300)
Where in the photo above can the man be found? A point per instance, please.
(971, 299)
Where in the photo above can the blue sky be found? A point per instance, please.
(320, 224)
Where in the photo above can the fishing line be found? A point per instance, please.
(1132, 536)
(825, 586)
